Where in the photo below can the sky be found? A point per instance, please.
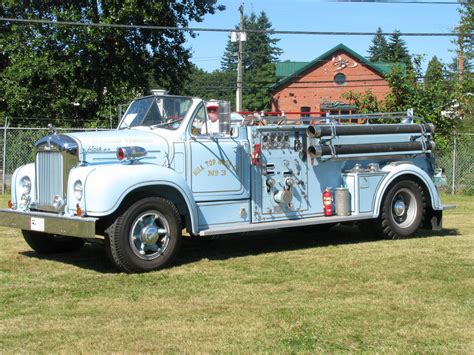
(311, 15)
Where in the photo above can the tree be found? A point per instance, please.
(465, 90)
(435, 72)
(216, 85)
(259, 49)
(397, 50)
(378, 51)
(257, 96)
(366, 102)
(83, 72)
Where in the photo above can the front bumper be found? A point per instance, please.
(81, 227)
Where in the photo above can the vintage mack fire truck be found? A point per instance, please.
(159, 174)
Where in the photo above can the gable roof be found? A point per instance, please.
(287, 71)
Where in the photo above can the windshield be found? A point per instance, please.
(157, 112)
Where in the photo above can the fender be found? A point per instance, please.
(24, 170)
(106, 186)
(395, 171)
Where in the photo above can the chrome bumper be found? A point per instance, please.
(48, 223)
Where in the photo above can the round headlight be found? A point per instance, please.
(78, 189)
(25, 185)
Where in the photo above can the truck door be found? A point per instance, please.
(218, 167)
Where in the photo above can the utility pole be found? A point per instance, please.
(460, 59)
(241, 38)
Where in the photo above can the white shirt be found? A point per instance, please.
(210, 127)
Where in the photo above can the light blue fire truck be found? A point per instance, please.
(160, 174)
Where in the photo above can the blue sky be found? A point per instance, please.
(310, 15)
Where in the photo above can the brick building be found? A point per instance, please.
(318, 86)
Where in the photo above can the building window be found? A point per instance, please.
(340, 79)
(305, 109)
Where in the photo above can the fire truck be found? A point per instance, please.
(160, 175)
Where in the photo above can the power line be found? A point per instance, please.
(405, 2)
(227, 30)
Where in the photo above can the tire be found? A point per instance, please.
(146, 236)
(45, 243)
(402, 210)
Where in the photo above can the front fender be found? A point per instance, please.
(395, 171)
(106, 186)
(25, 170)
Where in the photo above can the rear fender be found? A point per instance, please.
(410, 171)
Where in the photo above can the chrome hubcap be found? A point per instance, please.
(404, 208)
(399, 208)
(149, 235)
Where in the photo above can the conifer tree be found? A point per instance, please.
(397, 49)
(259, 49)
(378, 51)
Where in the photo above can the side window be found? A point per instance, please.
(199, 121)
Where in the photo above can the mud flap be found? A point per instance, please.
(433, 220)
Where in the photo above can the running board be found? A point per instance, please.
(253, 227)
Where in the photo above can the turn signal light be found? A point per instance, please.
(78, 211)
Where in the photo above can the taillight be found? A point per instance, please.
(120, 154)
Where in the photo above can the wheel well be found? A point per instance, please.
(167, 192)
(413, 178)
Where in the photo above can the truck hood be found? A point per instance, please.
(101, 146)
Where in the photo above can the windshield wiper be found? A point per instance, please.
(167, 123)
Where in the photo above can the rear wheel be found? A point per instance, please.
(45, 243)
(146, 236)
(402, 210)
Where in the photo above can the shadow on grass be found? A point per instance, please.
(93, 256)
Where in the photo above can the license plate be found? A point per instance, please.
(37, 224)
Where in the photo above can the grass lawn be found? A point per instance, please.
(269, 292)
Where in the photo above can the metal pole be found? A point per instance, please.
(454, 167)
(4, 154)
(238, 95)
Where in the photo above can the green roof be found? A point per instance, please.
(288, 70)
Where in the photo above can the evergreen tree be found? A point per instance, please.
(259, 49)
(257, 95)
(397, 50)
(378, 51)
(435, 72)
(464, 89)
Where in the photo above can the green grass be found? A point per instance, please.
(266, 292)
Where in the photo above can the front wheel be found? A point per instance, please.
(402, 210)
(45, 243)
(146, 236)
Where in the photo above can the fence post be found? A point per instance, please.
(454, 166)
(4, 154)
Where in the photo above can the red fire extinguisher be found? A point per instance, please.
(327, 202)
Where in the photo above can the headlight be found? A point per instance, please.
(25, 185)
(78, 189)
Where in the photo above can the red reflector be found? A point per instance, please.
(10, 204)
(257, 150)
(78, 211)
(120, 154)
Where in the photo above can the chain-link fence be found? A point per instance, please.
(459, 165)
(17, 144)
(17, 148)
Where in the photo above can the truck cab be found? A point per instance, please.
(163, 171)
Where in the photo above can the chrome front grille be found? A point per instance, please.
(50, 177)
